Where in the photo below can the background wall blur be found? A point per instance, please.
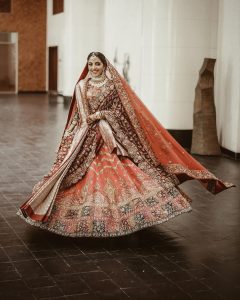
(164, 42)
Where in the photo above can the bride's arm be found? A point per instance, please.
(115, 110)
(74, 122)
(95, 117)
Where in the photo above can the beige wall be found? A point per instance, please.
(28, 18)
(167, 42)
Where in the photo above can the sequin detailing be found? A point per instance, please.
(114, 198)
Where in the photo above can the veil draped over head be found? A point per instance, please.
(161, 146)
(147, 143)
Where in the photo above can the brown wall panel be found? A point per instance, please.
(58, 6)
(28, 18)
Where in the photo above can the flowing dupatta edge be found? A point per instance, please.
(157, 140)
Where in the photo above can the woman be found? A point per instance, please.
(117, 170)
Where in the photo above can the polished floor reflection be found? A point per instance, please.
(194, 256)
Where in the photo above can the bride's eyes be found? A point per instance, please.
(97, 64)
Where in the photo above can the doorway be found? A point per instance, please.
(8, 62)
(53, 70)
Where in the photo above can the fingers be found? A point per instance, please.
(90, 120)
(94, 117)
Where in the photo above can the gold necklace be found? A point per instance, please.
(98, 82)
(99, 78)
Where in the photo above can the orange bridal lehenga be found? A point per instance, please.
(117, 175)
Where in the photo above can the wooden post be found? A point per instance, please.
(204, 137)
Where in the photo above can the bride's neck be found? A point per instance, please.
(99, 78)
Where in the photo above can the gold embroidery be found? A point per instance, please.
(130, 111)
(110, 190)
(108, 167)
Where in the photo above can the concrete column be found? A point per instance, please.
(228, 75)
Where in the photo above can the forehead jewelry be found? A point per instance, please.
(94, 55)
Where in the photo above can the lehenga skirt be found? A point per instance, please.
(114, 198)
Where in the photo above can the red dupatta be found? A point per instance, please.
(161, 146)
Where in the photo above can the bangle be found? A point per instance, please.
(101, 114)
(97, 115)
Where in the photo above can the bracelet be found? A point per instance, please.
(102, 114)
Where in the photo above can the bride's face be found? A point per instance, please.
(95, 66)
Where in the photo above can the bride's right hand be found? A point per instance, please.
(90, 119)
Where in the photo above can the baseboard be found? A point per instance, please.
(67, 99)
(32, 92)
(230, 154)
(184, 138)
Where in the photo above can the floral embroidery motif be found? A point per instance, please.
(86, 210)
(98, 227)
(125, 209)
(71, 214)
(151, 201)
(139, 218)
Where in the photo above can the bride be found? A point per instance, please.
(117, 169)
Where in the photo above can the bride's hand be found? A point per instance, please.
(92, 118)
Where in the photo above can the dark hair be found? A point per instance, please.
(100, 56)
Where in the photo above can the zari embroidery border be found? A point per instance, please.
(147, 224)
(130, 111)
(196, 174)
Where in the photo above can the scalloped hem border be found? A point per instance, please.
(149, 224)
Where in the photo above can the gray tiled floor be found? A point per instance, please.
(194, 256)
